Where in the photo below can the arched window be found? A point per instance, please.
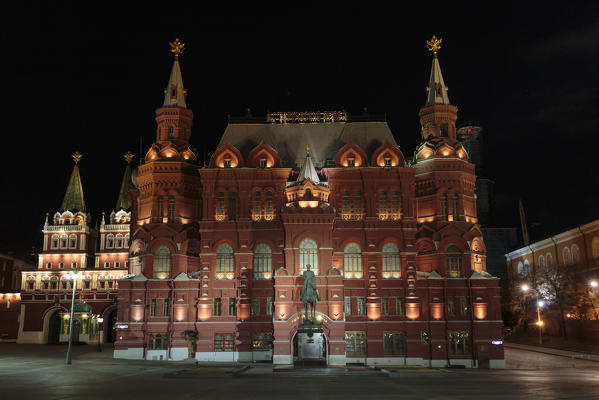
(575, 254)
(219, 214)
(171, 131)
(567, 255)
(118, 242)
(54, 242)
(109, 241)
(262, 262)
(308, 254)
(225, 262)
(382, 205)
(268, 207)
(352, 261)
(541, 261)
(171, 209)
(454, 261)
(549, 258)
(72, 241)
(444, 206)
(391, 262)
(160, 210)
(525, 270)
(357, 215)
(63, 241)
(257, 206)
(345, 206)
(595, 247)
(162, 263)
(395, 213)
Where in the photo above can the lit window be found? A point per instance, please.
(232, 307)
(157, 341)
(227, 163)
(355, 343)
(263, 163)
(351, 162)
(268, 207)
(220, 207)
(459, 343)
(391, 261)
(362, 306)
(160, 207)
(262, 262)
(225, 262)
(387, 161)
(162, 263)
(224, 342)
(262, 341)
(352, 261)
(257, 206)
(347, 305)
(308, 254)
(395, 211)
(454, 262)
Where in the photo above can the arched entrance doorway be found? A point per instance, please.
(109, 326)
(76, 330)
(54, 326)
(312, 350)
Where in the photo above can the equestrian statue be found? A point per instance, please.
(309, 294)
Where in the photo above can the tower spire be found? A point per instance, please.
(124, 202)
(174, 94)
(308, 170)
(436, 91)
(73, 198)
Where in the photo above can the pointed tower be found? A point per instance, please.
(438, 116)
(69, 240)
(114, 236)
(168, 181)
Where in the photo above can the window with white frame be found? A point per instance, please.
(225, 262)
(118, 241)
(110, 241)
(106, 264)
(262, 262)
(352, 261)
(575, 254)
(391, 263)
(54, 242)
(162, 263)
(567, 256)
(63, 241)
(355, 343)
(308, 254)
(72, 241)
(347, 305)
(549, 258)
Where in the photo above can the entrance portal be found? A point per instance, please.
(309, 345)
(54, 325)
(109, 326)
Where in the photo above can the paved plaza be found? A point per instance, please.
(39, 372)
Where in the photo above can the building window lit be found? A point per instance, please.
(454, 262)
(308, 254)
(224, 342)
(391, 263)
(387, 161)
(357, 209)
(257, 206)
(400, 306)
(347, 305)
(227, 163)
(232, 307)
(263, 163)
(351, 162)
(355, 343)
(160, 211)
(152, 305)
(464, 306)
(459, 343)
(352, 261)
(361, 306)
(382, 205)
(345, 206)
(157, 341)
(268, 207)
(395, 210)
(262, 262)
(262, 341)
(225, 262)
(220, 207)
(162, 263)
(394, 343)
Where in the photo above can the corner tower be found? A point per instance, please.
(167, 197)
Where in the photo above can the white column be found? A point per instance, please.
(82, 242)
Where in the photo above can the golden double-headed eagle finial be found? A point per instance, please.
(77, 157)
(307, 150)
(177, 47)
(128, 157)
(434, 44)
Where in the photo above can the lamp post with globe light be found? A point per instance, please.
(540, 304)
(593, 294)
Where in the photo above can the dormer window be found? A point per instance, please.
(351, 162)
(227, 163)
(263, 163)
(387, 161)
(171, 131)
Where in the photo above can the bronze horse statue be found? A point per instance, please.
(309, 294)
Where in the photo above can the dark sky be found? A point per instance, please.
(90, 80)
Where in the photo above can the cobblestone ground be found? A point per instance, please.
(39, 372)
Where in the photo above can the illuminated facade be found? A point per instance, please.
(217, 252)
(70, 245)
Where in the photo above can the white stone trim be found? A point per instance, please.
(132, 353)
(282, 359)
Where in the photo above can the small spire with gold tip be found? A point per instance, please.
(77, 157)
(434, 44)
(177, 47)
(128, 157)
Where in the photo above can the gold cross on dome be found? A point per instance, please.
(77, 157)
(434, 44)
(177, 47)
(128, 157)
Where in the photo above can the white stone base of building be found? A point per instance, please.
(179, 353)
(218, 356)
(133, 353)
(465, 363)
(282, 359)
(250, 356)
(336, 359)
(497, 364)
(31, 337)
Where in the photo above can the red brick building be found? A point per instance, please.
(218, 250)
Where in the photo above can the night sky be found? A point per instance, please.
(90, 80)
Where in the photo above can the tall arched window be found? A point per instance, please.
(118, 242)
(541, 261)
(549, 258)
(268, 207)
(219, 213)
(345, 211)
(391, 264)
(54, 242)
(72, 241)
(160, 212)
(162, 263)
(454, 261)
(352, 261)
(257, 206)
(395, 213)
(357, 215)
(109, 241)
(567, 255)
(575, 254)
(225, 262)
(262, 262)
(525, 270)
(63, 241)
(308, 254)
(171, 209)
(382, 205)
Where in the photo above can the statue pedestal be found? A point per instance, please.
(311, 343)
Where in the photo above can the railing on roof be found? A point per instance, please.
(306, 117)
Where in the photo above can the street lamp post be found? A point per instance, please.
(74, 276)
(100, 320)
(540, 304)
